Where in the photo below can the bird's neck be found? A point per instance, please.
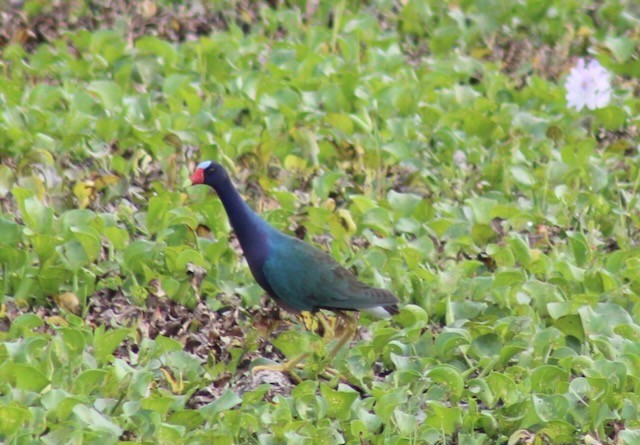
(250, 229)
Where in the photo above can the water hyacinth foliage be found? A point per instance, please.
(432, 148)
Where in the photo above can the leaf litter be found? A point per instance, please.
(207, 334)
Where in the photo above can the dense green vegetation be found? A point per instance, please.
(427, 146)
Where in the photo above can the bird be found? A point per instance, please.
(299, 277)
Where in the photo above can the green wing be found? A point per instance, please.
(306, 279)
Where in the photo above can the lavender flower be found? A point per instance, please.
(588, 86)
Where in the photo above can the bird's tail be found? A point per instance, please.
(384, 312)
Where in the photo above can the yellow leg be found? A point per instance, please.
(311, 320)
(329, 327)
(308, 320)
(350, 328)
(287, 367)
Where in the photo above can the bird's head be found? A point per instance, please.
(210, 173)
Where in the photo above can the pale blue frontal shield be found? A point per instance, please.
(204, 165)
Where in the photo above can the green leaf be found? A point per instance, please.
(28, 378)
(339, 401)
(190, 419)
(629, 435)
(24, 324)
(226, 401)
(163, 49)
(504, 388)
(7, 179)
(388, 402)
(108, 91)
(622, 47)
(549, 379)
(89, 239)
(611, 118)
(603, 318)
(158, 213)
(105, 342)
(410, 314)
(480, 389)
(450, 339)
(170, 433)
(445, 419)
(73, 339)
(96, 421)
(10, 232)
(341, 121)
(36, 215)
(293, 343)
(449, 377)
(158, 404)
(487, 345)
(12, 419)
(570, 325)
(523, 176)
(465, 310)
(403, 203)
(137, 254)
(167, 344)
(521, 250)
(117, 236)
(406, 423)
(550, 408)
(88, 380)
(74, 255)
(482, 208)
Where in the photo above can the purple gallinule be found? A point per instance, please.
(298, 276)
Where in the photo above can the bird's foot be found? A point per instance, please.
(332, 374)
(291, 368)
(320, 324)
(319, 365)
(278, 368)
(287, 367)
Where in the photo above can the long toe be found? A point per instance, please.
(284, 368)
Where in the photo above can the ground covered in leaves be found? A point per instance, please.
(427, 146)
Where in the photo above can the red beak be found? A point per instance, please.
(197, 177)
